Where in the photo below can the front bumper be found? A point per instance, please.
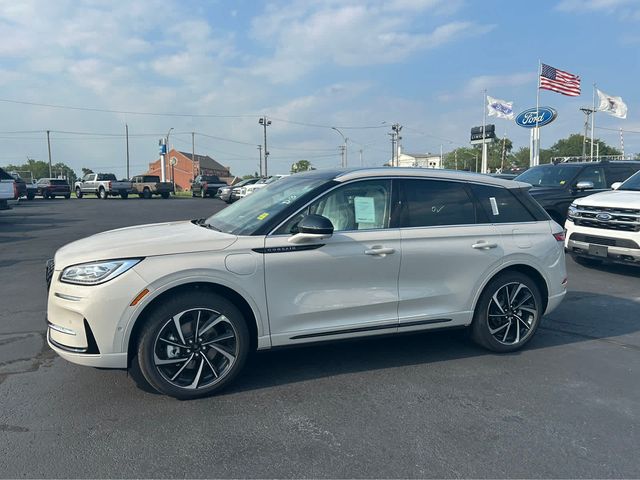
(604, 245)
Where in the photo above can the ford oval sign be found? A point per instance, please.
(528, 118)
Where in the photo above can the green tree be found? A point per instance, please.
(86, 171)
(572, 147)
(40, 169)
(301, 166)
(464, 158)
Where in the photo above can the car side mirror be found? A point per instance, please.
(584, 185)
(312, 227)
(615, 185)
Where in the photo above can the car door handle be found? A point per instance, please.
(482, 245)
(379, 251)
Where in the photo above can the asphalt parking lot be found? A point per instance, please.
(425, 405)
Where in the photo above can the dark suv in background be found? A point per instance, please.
(556, 185)
(206, 186)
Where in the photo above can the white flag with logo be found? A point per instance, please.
(612, 105)
(499, 108)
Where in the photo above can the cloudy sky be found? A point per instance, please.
(217, 66)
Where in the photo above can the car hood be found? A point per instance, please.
(143, 241)
(612, 198)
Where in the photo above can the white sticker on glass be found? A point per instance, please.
(365, 209)
(494, 206)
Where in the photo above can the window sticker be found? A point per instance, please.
(365, 209)
(262, 216)
(494, 206)
(562, 182)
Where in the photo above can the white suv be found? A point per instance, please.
(315, 256)
(606, 226)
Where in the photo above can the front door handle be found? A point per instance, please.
(483, 245)
(379, 251)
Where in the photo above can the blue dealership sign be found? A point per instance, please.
(544, 116)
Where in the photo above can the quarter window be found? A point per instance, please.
(500, 205)
(430, 203)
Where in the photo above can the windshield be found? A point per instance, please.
(632, 183)
(549, 175)
(245, 216)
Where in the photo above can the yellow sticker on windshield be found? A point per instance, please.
(262, 216)
(562, 182)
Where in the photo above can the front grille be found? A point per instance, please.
(611, 242)
(622, 219)
(48, 272)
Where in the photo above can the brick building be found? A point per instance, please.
(185, 169)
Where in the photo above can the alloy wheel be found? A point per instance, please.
(196, 348)
(512, 313)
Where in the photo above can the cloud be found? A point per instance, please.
(475, 85)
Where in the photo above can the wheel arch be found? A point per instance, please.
(236, 298)
(528, 270)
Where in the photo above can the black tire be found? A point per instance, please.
(102, 194)
(78, 192)
(67, 196)
(164, 195)
(30, 196)
(586, 261)
(146, 193)
(227, 319)
(124, 195)
(492, 320)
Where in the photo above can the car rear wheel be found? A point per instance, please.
(146, 193)
(78, 192)
(508, 313)
(67, 196)
(102, 194)
(124, 195)
(193, 345)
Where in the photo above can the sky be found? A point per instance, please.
(215, 67)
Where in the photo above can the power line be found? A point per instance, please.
(617, 129)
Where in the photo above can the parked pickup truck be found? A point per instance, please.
(206, 186)
(148, 185)
(103, 185)
(605, 227)
(8, 189)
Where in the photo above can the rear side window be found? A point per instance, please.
(500, 205)
(619, 173)
(107, 176)
(431, 203)
(151, 179)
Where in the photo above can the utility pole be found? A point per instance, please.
(265, 123)
(342, 155)
(343, 148)
(260, 153)
(126, 127)
(193, 153)
(49, 148)
(455, 157)
(622, 143)
(504, 150)
(395, 143)
(587, 112)
(441, 157)
(361, 163)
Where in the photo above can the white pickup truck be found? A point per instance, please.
(8, 190)
(103, 185)
(605, 227)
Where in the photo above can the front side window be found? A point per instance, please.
(593, 174)
(431, 203)
(363, 205)
(500, 205)
(619, 173)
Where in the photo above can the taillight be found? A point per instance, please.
(560, 236)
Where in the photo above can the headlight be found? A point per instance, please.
(95, 273)
(572, 212)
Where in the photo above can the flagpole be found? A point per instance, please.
(593, 119)
(536, 135)
(484, 121)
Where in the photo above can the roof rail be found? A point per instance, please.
(587, 158)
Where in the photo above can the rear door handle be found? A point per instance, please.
(379, 251)
(482, 245)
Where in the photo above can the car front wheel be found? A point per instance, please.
(193, 345)
(508, 313)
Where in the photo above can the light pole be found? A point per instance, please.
(265, 123)
(344, 148)
(163, 156)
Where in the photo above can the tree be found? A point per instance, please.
(301, 166)
(40, 169)
(86, 171)
(466, 159)
(572, 147)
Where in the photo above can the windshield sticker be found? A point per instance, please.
(494, 206)
(562, 182)
(262, 216)
(365, 209)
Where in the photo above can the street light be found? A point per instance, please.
(265, 123)
(344, 147)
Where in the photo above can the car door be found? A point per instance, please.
(448, 249)
(594, 174)
(341, 286)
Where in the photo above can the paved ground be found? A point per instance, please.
(428, 405)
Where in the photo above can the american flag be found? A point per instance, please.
(559, 81)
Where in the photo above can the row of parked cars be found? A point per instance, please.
(231, 193)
